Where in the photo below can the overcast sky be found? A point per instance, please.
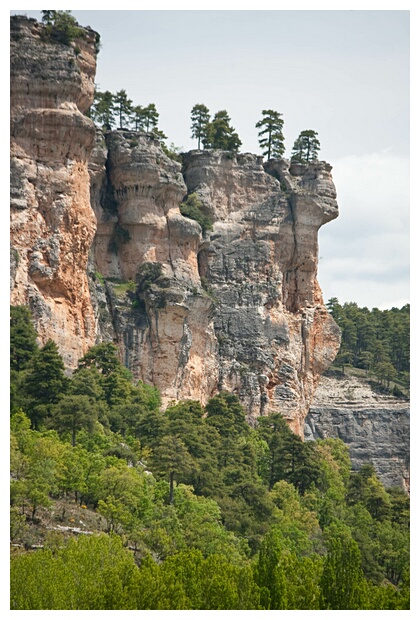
(344, 74)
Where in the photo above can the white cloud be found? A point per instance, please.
(365, 252)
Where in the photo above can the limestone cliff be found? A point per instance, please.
(238, 308)
(166, 336)
(52, 223)
(375, 426)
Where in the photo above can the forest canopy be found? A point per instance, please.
(186, 507)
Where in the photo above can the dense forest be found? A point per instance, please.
(188, 507)
(377, 341)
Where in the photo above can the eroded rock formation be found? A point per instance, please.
(375, 426)
(275, 336)
(237, 309)
(165, 334)
(52, 223)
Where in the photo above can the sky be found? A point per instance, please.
(343, 73)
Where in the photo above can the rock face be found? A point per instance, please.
(275, 336)
(165, 333)
(375, 426)
(52, 223)
(237, 309)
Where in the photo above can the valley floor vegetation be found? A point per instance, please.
(187, 508)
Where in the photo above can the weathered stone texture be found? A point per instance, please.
(52, 223)
(239, 309)
(275, 335)
(376, 427)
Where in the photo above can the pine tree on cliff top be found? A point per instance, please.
(200, 117)
(271, 137)
(124, 107)
(306, 147)
(220, 134)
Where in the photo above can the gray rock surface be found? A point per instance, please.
(376, 427)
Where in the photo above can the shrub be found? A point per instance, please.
(61, 27)
(147, 275)
(192, 208)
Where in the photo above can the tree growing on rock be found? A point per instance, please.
(123, 107)
(200, 118)
(271, 137)
(149, 117)
(61, 26)
(306, 147)
(103, 110)
(220, 134)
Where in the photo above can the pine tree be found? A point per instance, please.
(46, 382)
(172, 458)
(124, 107)
(306, 147)
(73, 412)
(219, 134)
(149, 117)
(200, 117)
(138, 118)
(103, 109)
(271, 137)
(22, 338)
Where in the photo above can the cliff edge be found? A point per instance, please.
(236, 308)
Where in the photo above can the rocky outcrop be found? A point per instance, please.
(274, 333)
(52, 223)
(375, 426)
(165, 332)
(237, 309)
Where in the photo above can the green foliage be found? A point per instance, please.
(201, 511)
(61, 27)
(72, 413)
(200, 118)
(173, 151)
(148, 118)
(172, 458)
(192, 208)
(103, 110)
(148, 274)
(343, 585)
(270, 138)
(306, 147)
(219, 134)
(119, 237)
(23, 336)
(123, 108)
(377, 341)
(121, 288)
(290, 458)
(45, 382)
(94, 572)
